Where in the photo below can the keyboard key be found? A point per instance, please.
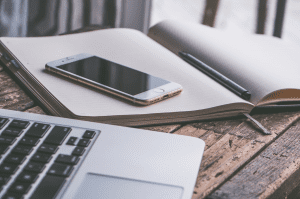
(60, 170)
(57, 135)
(34, 167)
(89, 134)
(67, 159)
(19, 187)
(8, 168)
(46, 148)
(28, 177)
(14, 132)
(3, 122)
(22, 149)
(12, 196)
(41, 157)
(78, 151)
(19, 124)
(38, 130)
(3, 148)
(7, 140)
(48, 187)
(72, 141)
(15, 158)
(84, 142)
(29, 141)
(4, 178)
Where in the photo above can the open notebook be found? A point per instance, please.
(202, 97)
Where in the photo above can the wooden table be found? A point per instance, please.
(238, 162)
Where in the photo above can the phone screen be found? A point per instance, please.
(114, 75)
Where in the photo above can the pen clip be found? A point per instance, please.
(264, 130)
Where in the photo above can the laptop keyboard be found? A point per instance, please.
(37, 159)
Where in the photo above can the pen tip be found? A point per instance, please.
(246, 95)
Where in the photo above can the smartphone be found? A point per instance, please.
(116, 79)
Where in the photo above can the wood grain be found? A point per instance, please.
(163, 128)
(12, 97)
(271, 174)
(7, 85)
(36, 110)
(231, 145)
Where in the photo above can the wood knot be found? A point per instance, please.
(218, 174)
(230, 143)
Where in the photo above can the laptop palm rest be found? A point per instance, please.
(95, 186)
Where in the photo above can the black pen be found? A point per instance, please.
(229, 84)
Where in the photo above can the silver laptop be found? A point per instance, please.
(45, 157)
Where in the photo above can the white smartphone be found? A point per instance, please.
(116, 79)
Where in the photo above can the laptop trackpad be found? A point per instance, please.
(101, 186)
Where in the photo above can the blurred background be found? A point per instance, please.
(248, 16)
(23, 18)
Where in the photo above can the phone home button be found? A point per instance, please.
(159, 90)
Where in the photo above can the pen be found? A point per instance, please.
(229, 84)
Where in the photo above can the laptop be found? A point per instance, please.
(51, 157)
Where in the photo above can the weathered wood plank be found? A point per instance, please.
(16, 101)
(7, 85)
(11, 95)
(210, 137)
(237, 142)
(271, 174)
(163, 128)
(36, 110)
(219, 126)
